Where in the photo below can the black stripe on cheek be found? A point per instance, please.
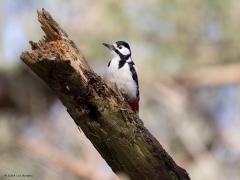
(122, 57)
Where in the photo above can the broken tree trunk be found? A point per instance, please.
(98, 109)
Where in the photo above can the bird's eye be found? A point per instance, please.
(120, 47)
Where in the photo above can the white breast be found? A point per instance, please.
(122, 77)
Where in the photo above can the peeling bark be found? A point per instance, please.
(97, 108)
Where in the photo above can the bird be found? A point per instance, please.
(122, 71)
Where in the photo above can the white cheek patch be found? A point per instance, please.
(124, 51)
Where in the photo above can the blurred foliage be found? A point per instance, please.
(190, 98)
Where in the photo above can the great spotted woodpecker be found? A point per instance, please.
(121, 70)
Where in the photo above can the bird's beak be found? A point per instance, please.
(109, 46)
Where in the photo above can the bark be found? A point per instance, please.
(97, 108)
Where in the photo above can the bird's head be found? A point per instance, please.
(119, 48)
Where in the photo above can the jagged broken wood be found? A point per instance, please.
(98, 109)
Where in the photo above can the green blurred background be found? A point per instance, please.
(188, 59)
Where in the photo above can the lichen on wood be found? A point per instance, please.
(98, 108)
